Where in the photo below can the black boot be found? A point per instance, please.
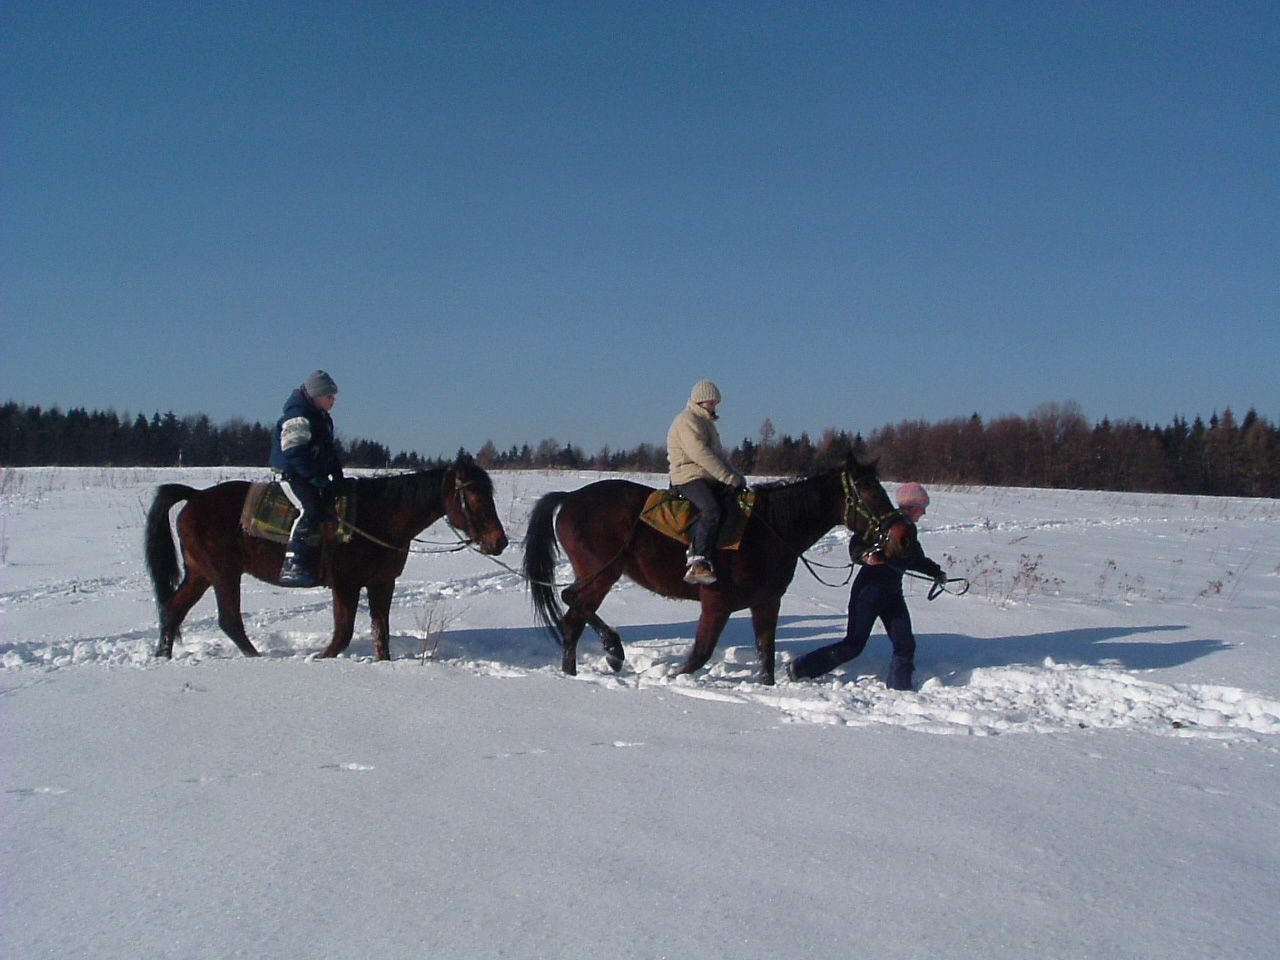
(823, 660)
(296, 571)
(899, 677)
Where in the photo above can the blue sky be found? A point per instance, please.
(520, 221)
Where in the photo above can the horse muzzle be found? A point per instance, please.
(899, 539)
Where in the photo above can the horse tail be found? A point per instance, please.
(540, 552)
(162, 552)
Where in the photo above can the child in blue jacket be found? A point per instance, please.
(305, 455)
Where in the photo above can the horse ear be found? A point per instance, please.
(860, 469)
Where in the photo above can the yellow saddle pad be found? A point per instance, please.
(269, 514)
(673, 515)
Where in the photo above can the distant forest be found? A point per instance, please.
(1054, 446)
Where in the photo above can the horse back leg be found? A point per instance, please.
(230, 619)
(175, 610)
(710, 625)
(571, 626)
(764, 620)
(345, 604)
(609, 639)
(582, 599)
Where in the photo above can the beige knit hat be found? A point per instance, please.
(703, 391)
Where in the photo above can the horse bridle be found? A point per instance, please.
(459, 489)
(879, 524)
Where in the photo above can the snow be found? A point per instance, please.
(1088, 768)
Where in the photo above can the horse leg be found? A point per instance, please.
(571, 626)
(764, 618)
(582, 600)
(710, 626)
(345, 603)
(227, 591)
(609, 638)
(173, 612)
(380, 616)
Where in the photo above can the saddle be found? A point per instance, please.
(269, 515)
(672, 515)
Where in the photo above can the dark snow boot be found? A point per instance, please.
(296, 571)
(899, 677)
(823, 660)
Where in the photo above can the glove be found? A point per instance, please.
(932, 570)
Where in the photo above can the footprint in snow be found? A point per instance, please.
(38, 791)
(507, 755)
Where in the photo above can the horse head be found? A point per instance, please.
(469, 507)
(871, 515)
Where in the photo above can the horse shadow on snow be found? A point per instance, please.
(1132, 648)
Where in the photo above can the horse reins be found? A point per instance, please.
(854, 503)
(463, 542)
(879, 523)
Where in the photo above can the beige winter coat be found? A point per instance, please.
(694, 451)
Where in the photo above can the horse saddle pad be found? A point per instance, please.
(269, 514)
(673, 515)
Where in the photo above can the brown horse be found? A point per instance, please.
(392, 511)
(599, 528)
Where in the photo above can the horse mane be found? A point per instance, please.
(791, 499)
(424, 487)
(421, 487)
(472, 473)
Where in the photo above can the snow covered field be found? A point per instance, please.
(1088, 769)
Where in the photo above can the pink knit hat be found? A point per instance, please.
(912, 495)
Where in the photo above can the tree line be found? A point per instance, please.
(1054, 446)
(30, 436)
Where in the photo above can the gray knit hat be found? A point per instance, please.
(703, 391)
(320, 384)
